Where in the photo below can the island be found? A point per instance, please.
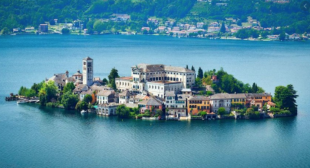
(160, 92)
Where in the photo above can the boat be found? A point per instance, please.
(83, 112)
(22, 101)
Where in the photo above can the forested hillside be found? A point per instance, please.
(22, 13)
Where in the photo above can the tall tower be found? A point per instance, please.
(88, 73)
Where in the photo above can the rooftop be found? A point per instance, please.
(199, 98)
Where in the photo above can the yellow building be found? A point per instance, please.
(195, 104)
(258, 99)
(238, 98)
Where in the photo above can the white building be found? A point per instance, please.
(175, 104)
(220, 100)
(88, 71)
(156, 79)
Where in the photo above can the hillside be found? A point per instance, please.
(22, 13)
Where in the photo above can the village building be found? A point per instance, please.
(175, 104)
(43, 28)
(196, 104)
(107, 109)
(105, 96)
(151, 104)
(257, 99)
(156, 79)
(221, 100)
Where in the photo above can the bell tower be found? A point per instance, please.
(88, 71)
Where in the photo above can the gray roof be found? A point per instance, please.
(221, 96)
(160, 67)
(199, 98)
(105, 93)
(150, 102)
(59, 78)
(257, 94)
(237, 96)
(125, 93)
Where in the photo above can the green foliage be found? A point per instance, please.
(200, 73)
(87, 98)
(69, 100)
(5, 31)
(285, 98)
(15, 13)
(221, 111)
(223, 28)
(113, 85)
(122, 111)
(52, 105)
(23, 91)
(113, 74)
(47, 92)
(198, 82)
(246, 33)
(274, 110)
(253, 114)
(202, 114)
(193, 69)
(282, 36)
(104, 81)
(65, 31)
(69, 87)
(229, 84)
(81, 105)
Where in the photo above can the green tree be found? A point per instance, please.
(193, 69)
(5, 31)
(81, 105)
(282, 36)
(202, 114)
(122, 111)
(87, 98)
(285, 98)
(200, 73)
(223, 28)
(69, 100)
(65, 31)
(48, 92)
(105, 81)
(69, 87)
(113, 74)
(221, 111)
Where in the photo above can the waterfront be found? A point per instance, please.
(34, 137)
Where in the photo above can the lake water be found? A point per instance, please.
(31, 136)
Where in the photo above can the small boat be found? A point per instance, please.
(22, 101)
(83, 112)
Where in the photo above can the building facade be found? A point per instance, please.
(221, 100)
(196, 104)
(156, 79)
(88, 71)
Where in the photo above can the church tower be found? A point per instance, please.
(88, 71)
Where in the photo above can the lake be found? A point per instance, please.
(32, 136)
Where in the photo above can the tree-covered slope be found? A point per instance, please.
(21, 13)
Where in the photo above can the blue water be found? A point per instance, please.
(31, 136)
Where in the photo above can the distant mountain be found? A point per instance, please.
(270, 13)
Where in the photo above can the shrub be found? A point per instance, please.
(51, 104)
